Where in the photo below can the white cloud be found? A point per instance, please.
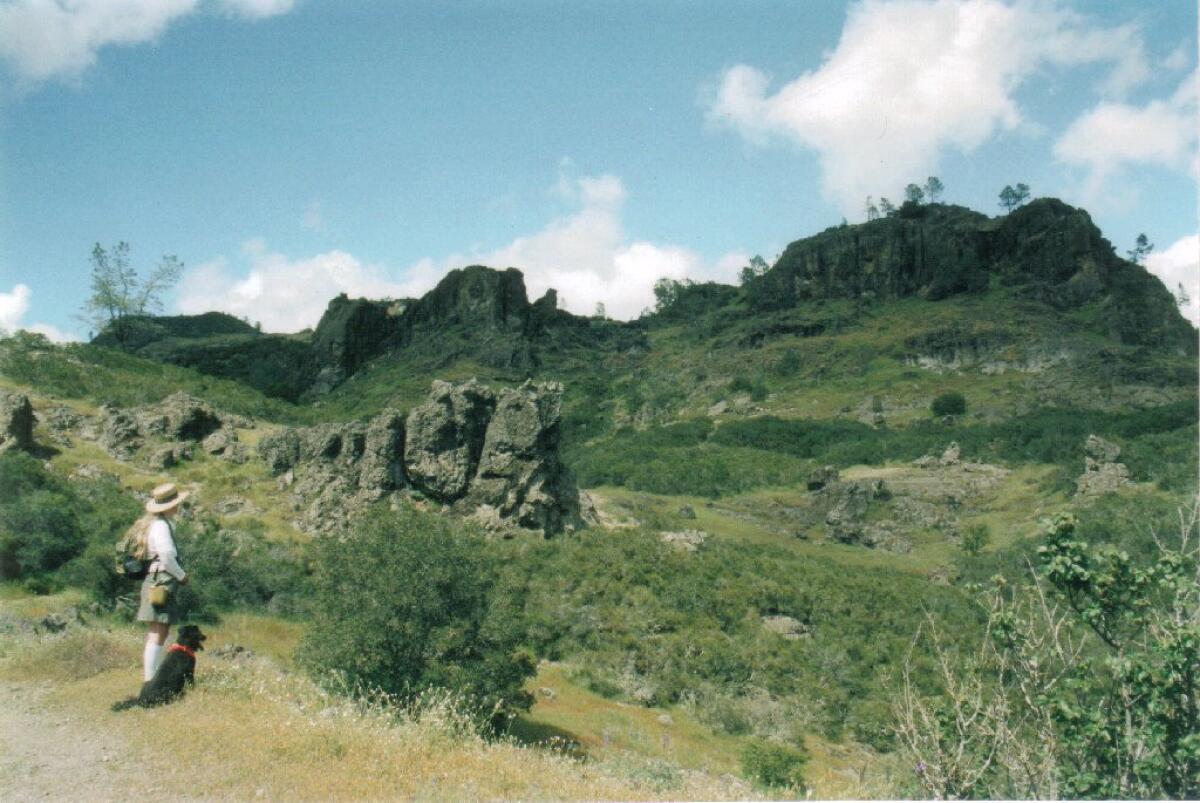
(284, 295)
(13, 306)
(49, 38)
(1180, 265)
(584, 255)
(256, 9)
(911, 78)
(1114, 136)
(44, 39)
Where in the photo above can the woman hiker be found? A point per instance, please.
(164, 571)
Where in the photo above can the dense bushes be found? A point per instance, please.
(661, 627)
(48, 526)
(238, 569)
(403, 604)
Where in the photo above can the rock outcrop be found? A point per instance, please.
(444, 436)
(1102, 474)
(16, 421)
(169, 432)
(493, 454)
(1051, 250)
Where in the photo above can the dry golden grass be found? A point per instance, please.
(250, 729)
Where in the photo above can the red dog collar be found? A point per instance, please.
(180, 648)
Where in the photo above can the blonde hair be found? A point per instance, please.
(137, 536)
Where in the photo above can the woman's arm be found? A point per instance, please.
(162, 545)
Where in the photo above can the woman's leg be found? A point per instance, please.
(156, 636)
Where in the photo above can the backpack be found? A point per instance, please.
(133, 558)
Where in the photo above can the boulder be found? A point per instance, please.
(382, 466)
(444, 437)
(187, 418)
(1100, 450)
(120, 435)
(821, 477)
(280, 451)
(1101, 473)
(786, 626)
(219, 441)
(16, 421)
(684, 540)
(169, 455)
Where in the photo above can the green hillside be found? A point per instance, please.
(788, 479)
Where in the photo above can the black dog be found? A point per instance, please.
(177, 670)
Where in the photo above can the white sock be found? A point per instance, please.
(150, 659)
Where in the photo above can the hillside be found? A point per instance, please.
(769, 507)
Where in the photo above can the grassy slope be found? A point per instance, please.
(688, 368)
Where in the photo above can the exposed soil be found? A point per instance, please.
(49, 754)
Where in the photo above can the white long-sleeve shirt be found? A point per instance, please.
(162, 548)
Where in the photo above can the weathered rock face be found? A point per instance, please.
(1050, 249)
(494, 453)
(819, 478)
(519, 471)
(444, 438)
(350, 333)
(16, 421)
(120, 436)
(1102, 474)
(169, 431)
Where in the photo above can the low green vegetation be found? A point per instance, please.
(405, 603)
(774, 766)
(694, 457)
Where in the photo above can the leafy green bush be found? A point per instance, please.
(39, 520)
(950, 403)
(774, 766)
(404, 604)
(238, 569)
(741, 384)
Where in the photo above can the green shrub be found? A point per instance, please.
(975, 539)
(39, 519)
(238, 569)
(741, 384)
(403, 604)
(950, 403)
(759, 391)
(774, 766)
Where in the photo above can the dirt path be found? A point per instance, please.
(50, 754)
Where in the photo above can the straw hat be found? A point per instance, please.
(165, 497)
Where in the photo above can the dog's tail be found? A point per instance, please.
(124, 704)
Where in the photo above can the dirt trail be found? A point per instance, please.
(47, 753)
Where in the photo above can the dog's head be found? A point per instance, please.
(191, 637)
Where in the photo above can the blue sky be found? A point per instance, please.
(287, 150)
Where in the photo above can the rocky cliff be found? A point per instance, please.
(1049, 250)
(489, 453)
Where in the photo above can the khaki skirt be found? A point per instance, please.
(165, 614)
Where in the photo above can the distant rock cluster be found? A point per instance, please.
(1102, 474)
(489, 453)
(169, 432)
